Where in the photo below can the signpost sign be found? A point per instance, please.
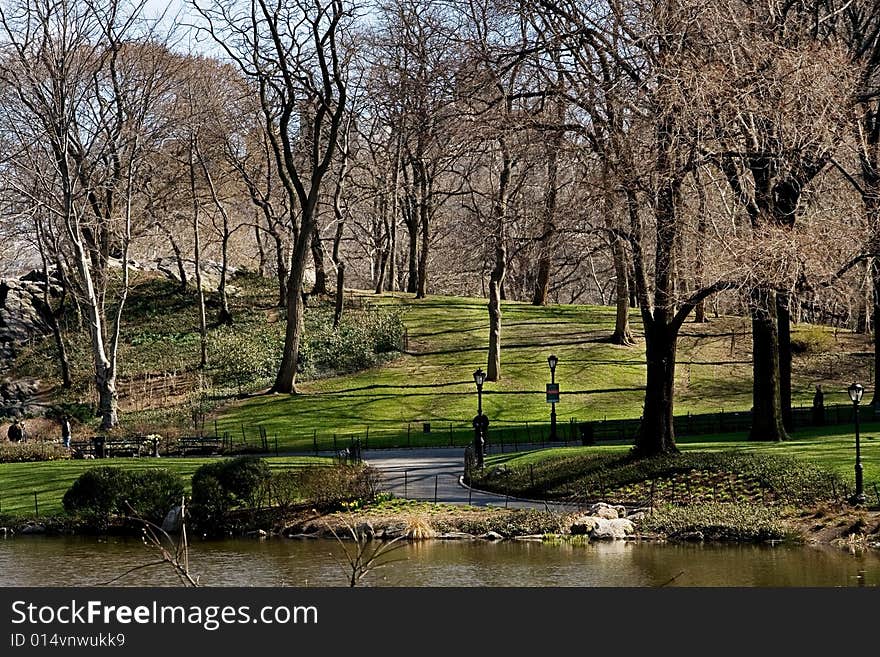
(552, 393)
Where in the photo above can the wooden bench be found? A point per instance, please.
(82, 448)
(125, 447)
(199, 445)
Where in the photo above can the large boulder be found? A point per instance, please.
(210, 273)
(173, 521)
(607, 530)
(584, 525)
(607, 511)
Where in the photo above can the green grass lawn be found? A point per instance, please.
(51, 479)
(830, 448)
(447, 340)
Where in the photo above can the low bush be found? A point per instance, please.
(515, 522)
(241, 357)
(29, 452)
(102, 492)
(284, 487)
(811, 340)
(359, 341)
(717, 522)
(332, 486)
(226, 484)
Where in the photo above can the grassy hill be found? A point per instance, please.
(447, 340)
(429, 381)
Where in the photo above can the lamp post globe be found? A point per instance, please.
(856, 390)
(479, 379)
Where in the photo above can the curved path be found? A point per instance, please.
(435, 473)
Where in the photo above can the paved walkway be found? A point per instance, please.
(426, 474)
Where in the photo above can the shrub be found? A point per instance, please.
(515, 522)
(811, 340)
(241, 357)
(29, 452)
(95, 492)
(284, 489)
(221, 486)
(78, 411)
(211, 503)
(334, 485)
(102, 492)
(718, 522)
(361, 337)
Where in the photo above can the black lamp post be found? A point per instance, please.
(855, 394)
(552, 360)
(481, 422)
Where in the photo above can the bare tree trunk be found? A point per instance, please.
(339, 216)
(412, 281)
(493, 372)
(657, 432)
(383, 261)
(285, 381)
(622, 332)
(422, 291)
(391, 276)
(178, 257)
(281, 264)
(340, 292)
(783, 322)
(388, 260)
(225, 316)
(542, 282)
(702, 227)
(317, 247)
(261, 251)
(496, 276)
(767, 423)
(875, 280)
(50, 313)
(197, 257)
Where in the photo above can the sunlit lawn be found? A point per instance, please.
(447, 340)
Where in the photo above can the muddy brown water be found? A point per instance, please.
(89, 561)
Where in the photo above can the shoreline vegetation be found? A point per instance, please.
(343, 499)
(835, 525)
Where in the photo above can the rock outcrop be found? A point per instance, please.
(23, 315)
(603, 522)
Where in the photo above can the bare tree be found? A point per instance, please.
(86, 78)
(292, 51)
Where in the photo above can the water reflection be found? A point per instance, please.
(88, 561)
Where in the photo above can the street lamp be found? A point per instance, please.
(479, 379)
(481, 422)
(855, 394)
(552, 360)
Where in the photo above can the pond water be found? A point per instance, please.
(90, 561)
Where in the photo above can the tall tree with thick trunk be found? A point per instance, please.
(293, 53)
(618, 57)
(774, 98)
